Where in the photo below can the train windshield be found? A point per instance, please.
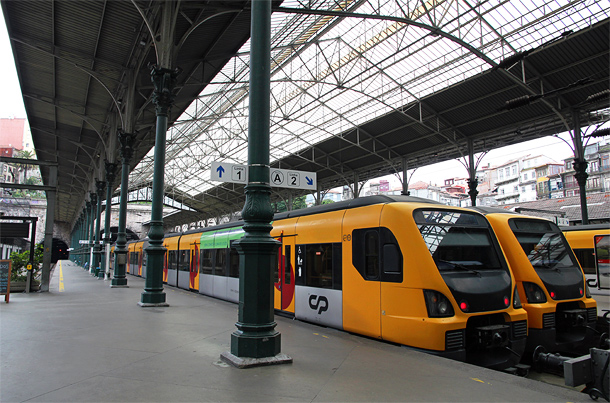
(458, 241)
(543, 243)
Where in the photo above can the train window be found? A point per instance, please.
(543, 243)
(391, 259)
(184, 262)
(371, 254)
(220, 263)
(319, 265)
(205, 261)
(233, 263)
(173, 260)
(458, 241)
(287, 273)
(276, 267)
(586, 258)
(376, 254)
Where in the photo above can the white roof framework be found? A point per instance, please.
(332, 73)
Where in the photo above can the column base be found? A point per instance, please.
(152, 304)
(149, 299)
(256, 345)
(119, 282)
(248, 362)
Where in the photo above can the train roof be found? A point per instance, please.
(586, 227)
(324, 208)
(490, 210)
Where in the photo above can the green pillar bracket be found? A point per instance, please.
(256, 342)
(119, 279)
(164, 81)
(97, 250)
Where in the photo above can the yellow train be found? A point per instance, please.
(561, 313)
(400, 269)
(581, 239)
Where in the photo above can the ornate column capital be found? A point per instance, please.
(164, 81)
(100, 186)
(126, 140)
(110, 171)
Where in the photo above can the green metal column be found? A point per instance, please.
(256, 342)
(164, 81)
(119, 279)
(98, 218)
(580, 166)
(110, 174)
(93, 197)
(472, 175)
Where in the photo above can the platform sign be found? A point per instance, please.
(288, 178)
(226, 172)
(282, 178)
(5, 279)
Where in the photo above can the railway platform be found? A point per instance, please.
(86, 342)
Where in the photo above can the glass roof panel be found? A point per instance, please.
(331, 74)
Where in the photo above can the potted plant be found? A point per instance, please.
(19, 272)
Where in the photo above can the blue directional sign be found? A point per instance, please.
(284, 178)
(226, 172)
(288, 178)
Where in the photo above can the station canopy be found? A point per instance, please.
(331, 75)
(363, 88)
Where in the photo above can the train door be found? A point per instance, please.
(145, 258)
(284, 275)
(194, 268)
(602, 261)
(184, 268)
(361, 277)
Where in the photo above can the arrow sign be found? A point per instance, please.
(234, 173)
(282, 178)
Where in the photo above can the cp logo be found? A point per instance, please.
(319, 303)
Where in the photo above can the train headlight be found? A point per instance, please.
(516, 300)
(437, 304)
(533, 293)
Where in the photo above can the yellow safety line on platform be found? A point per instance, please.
(61, 278)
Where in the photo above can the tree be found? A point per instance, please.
(19, 262)
(25, 154)
(297, 203)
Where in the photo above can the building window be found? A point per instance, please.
(525, 176)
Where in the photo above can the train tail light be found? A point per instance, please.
(437, 304)
(516, 300)
(587, 291)
(533, 293)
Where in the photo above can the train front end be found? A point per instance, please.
(561, 313)
(475, 306)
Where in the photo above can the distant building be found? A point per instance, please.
(567, 210)
(13, 133)
(516, 179)
(598, 157)
(548, 181)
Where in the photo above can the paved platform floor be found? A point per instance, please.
(86, 342)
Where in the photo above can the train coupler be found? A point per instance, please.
(590, 370)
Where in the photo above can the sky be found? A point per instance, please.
(11, 105)
(11, 101)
